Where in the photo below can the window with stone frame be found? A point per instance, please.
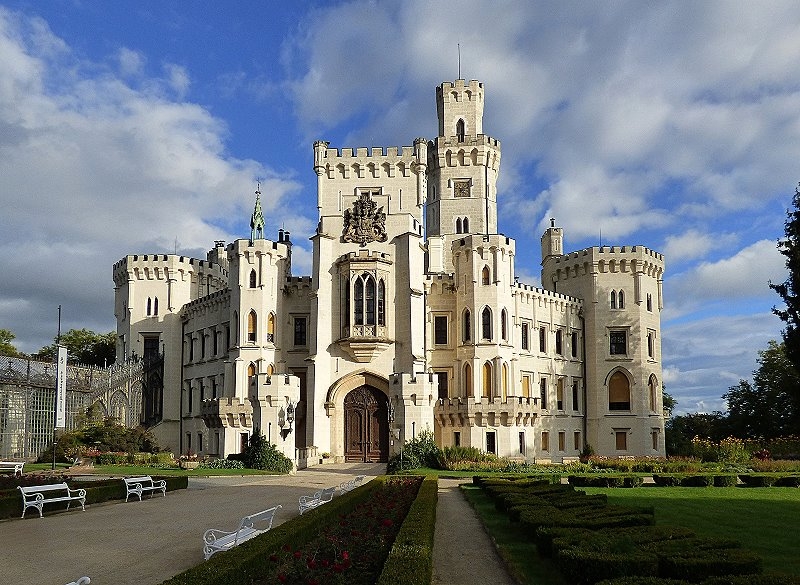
(576, 396)
(300, 332)
(545, 441)
(440, 324)
(621, 440)
(525, 336)
(619, 392)
(486, 323)
(562, 441)
(574, 343)
(543, 392)
(618, 342)
(443, 379)
(559, 342)
(466, 326)
(543, 339)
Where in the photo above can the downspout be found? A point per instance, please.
(585, 379)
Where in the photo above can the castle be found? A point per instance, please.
(409, 321)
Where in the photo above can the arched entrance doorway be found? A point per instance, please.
(366, 425)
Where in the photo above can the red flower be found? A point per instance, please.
(326, 563)
(287, 548)
(311, 563)
(337, 567)
(386, 522)
(273, 558)
(297, 554)
(282, 578)
(345, 555)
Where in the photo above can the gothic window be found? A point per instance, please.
(621, 300)
(358, 297)
(649, 302)
(504, 325)
(252, 321)
(460, 130)
(613, 299)
(505, 380)
(458, 225)
(155, 306)
(525, 332)
(251, 375)
(149, 306)
(252, 279)
(619, 392)
(487, 380)
(485, 275)
(271, 328)
(346, 307)
(370, 301)
(618, 342)
(466, 225)
(381, 303)
(486, 323)
(559, 342)
(467, 380)
(467, 326)
(652, 386)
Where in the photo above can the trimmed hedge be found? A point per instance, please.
(584, 566)
(642, 581)
(766, 579)
(606, 480)
(411, 559)
(96, 492)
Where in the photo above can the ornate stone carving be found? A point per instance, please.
(366, 222)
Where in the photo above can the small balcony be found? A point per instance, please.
(511, 411)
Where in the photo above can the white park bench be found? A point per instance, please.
(145, 483)
(36, 496)
(250, 526)
(319, 498)
(15, 466)
(81, 581)
(346, 486)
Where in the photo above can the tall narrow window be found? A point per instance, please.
(485, 275)
(621, 300)
(560, 394)
(542, 339)
(545, 441)
(346, 309)
(650, 344)
(458, 225)
(504, 325)
(613, 299)
(370, 304)
(525, 342)
(252, 279)
(252, 321)
(577, 441)
(460, 130)
(487, 380)
(149, 306)
(543, 392)
(576, 399)
(467, 326)
(440, 330)
(652, 388)
(649, 302)
(300, 338)
(505, 381)
(271, 328)
(574, 344)
(155, 306)
(559, 342)
(466, 225)
(619, 392)
(467, 380)
(381, 303)
(251, 376)
(486, 323)
(358, 301)
(526, 386)
(441, 377)
(562, 440)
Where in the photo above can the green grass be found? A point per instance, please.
(516, 548)
(764, 520)
(145, 470)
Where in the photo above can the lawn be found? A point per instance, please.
(145, 470)
(764, 520)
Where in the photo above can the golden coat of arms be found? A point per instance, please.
(366, 222)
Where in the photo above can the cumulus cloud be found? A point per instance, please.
(94, 168)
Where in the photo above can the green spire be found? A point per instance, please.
(257, 219)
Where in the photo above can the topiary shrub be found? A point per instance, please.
(261, 454)
(758, 480)
(726, 480)
(697, 481)
(670, 480)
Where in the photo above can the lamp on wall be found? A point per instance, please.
(286, 419)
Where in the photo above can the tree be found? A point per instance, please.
(767, 407)
(668, 400)
(6, 347)
(789, 290)
(84, 347)
(680, 430)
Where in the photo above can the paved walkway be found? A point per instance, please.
(145, 543)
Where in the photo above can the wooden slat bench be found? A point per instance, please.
(36, 496)
(15, 466)
(219, 540)
(317, 499)
(145, 483)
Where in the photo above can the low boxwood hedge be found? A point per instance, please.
(584, 566)
(606, 480)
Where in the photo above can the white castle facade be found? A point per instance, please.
(412, 319)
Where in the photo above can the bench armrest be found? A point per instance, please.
(81, 493)
(212, 535)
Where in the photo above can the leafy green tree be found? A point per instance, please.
(261, 454)
(6, 347)
(789, 290)
(767, 407)
(84, 347)
(680, 430)
(668, 400)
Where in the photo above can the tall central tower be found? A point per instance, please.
(463, 164)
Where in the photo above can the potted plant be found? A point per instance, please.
(189, 460)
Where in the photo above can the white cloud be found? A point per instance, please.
(94, 168)
(693, 244)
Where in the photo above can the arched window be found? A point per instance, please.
(346, 308)
(466, 332)
(613, 299)
(252, 322)
(486, 323)
(467, 380)
(458, 225)
(358, 300)
(149, 306)
(370, 301)
(503, 325)
(621, 300)
(155, 306)
(485, 275)
(652, 388)
(381, 303)
(486, 390)
(505, 381)
(619, 392)
(460, 130)
(251, 375)
(253, 278)
(465, 225)
(271, 328)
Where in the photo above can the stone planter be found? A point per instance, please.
(188, 464)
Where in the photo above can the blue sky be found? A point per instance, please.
(141, 127)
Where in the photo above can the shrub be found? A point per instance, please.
(766, 579)
(758, 479)
(728, 480)
(421, 451)
(585, 566)
(261, 454)
(699, 565)
(697, 481)
(221, 464)
(671, 480)
(642, 581)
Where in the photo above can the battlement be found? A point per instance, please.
(367, 256)
(535, 290)
(483, 241)
(365, 154)
(244, 245)
(447, 88)
(220, 297)
(159, 265)
(481, 140)
(640, 257)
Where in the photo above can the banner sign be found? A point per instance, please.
(61, 388)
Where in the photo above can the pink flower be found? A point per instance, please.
(297, 554)
(387, 523)
(345, 555)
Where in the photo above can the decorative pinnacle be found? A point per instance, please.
(257, 219)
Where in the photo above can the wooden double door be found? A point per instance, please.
(366, 425)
